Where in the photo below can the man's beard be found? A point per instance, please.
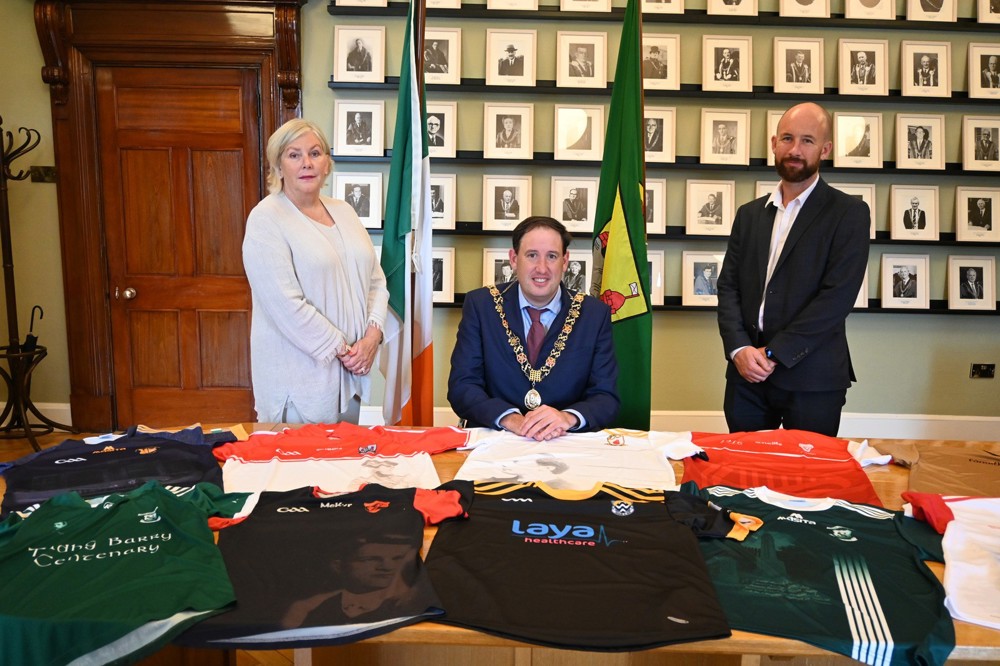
(795, 174)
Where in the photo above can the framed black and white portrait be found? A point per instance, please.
(980, 138)
(798, 65)
(443, 274)
(362, 3)
(443, 56)
(984, 71)
(884, 10)
(804, 8)
(661, 61)
(581, 59)
(442, 119)
(732, 7)
(913, 212)
(857, 140)
(710, 207)
(725, 136)
(655, 196)
(727, 63)
(906, 281)
(359, 128)
(510, 57)
(443, 198)
(661, 7)
(496, 266)
(932, 10)
(925, 68)
(863, 66)
(579, 132)
(977, 214)
(866, 192)
(573, 201)
(699, 277)
(659, 134)
(529, 5)
(971, 283)
(579, 270)
(764, 188)
(920, 141)
(506, 201)
(773, 117)
(585, 5)
(359, 53)
(508, 131)
(656, 289)
(363, 191)
(988, 11)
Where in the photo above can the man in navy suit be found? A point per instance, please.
(494, 384)
(795, 262)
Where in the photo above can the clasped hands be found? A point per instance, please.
(753, 364)
(358, 358)
(540, 424)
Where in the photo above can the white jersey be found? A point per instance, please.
(578, 461)
(971, 545)
(331, 475)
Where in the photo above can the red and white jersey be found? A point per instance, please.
(578, 461)
(339, 475)
(794, 462)
(971, 545)
(342, 440)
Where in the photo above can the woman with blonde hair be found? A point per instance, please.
(319, 294)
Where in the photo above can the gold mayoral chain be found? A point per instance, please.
(533, 399)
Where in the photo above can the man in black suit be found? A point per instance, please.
(981, 216)
(795, 262)
(359, 201)
(914, 217)
(434, 135)
(653, 138)
(511, 64)
(971, 287)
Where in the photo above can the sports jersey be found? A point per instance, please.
(609, 568)
(951, 470)
(337, 475)
(971, 545)
(796, 462)
(110, 580)
(342, 440)
(846, 577)
(577, 460)
(309, 569)
(108, 467)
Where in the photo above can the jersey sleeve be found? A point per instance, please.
(708, 520)
(922, 536)
(450, 500)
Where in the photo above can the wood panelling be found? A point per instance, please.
(217, 198)
(224, 365)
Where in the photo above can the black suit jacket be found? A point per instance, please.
(486, 379)
(812, 290)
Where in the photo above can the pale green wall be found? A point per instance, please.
(34, 215)
(912, 364)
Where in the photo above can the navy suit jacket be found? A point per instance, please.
(812, 290)
(486, 379)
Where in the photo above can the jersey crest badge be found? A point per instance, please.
(622, 508)
(376, 506)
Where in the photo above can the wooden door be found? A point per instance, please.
(180, 164)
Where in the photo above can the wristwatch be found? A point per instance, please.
(768, 353)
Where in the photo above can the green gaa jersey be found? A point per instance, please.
(846, 577)
(110, 580)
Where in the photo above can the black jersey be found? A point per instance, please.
(609, 568)
(110, 466)
(310, 569)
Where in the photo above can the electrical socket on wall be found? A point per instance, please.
(983, 371)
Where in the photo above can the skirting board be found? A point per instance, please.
(853, 425)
